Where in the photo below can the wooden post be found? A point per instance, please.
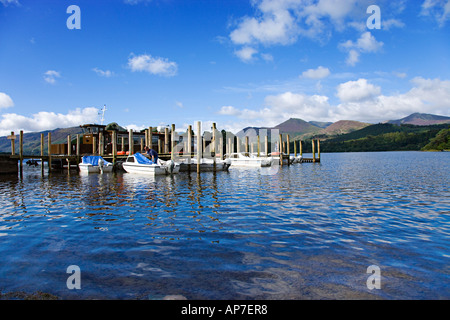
(114, 146)
(266, 144)
(300, 143)
(258, 149)
(69, 145)
(313, 151)
(130, 142)
(288, 150)
(42, 152)
(142, 144)
(122, 143)
(222, 156)
(49, 145)
(318, 149)
(13, 143)
(172, 136)
(146, 137)
(295, 148)
(199, 145)
(281, 150)
(94, 145)
(213, 149)
(189, 147)
(100, 143)
(78, 147)
(21, 149)
(166, 140)
(159, 146)
(150, 137)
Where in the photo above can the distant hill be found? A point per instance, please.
(421, 119)
(32, 140)
(386, 137)
(296, 127)
(342, 127)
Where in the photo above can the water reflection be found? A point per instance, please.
(310, 231)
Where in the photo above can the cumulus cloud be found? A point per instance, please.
(103, 73)
(5, 101)
(246, 54)
(366, 43)
(357, 91)
(46, 120)
(152, 65)
(51, 75)
(359, 100)
(319, 73)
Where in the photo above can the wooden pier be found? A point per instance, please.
(212, 144)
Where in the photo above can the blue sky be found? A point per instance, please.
(237, 63)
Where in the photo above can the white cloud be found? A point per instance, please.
(439, 9)
(152, 65)
(8, 2)
(319, 73)
(103, 73)
(357, 91)
(46, 120)
(246, 54)
(359, 100)
(365, 44)
(51, 75)
(5, 101)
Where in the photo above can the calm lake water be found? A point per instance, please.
(309, 231)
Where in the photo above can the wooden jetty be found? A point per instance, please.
(115, 145)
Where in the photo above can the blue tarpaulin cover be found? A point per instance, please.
(141, 159)
(93, 160)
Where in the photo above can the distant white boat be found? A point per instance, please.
(138, 163)
(245, 159)
(206, 164)
(95, 164)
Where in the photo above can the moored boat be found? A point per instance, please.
(206, 164)
(246, 159)
(138, 163)
(95, 164)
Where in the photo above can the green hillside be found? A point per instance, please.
(384, 137)
(440, 142)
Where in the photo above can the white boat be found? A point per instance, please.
(206, 164)
(246, 159)
(95, 164)
(138, 163)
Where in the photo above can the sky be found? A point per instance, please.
(237, 63)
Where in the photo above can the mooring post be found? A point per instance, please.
(313, 151)
(318, 149)
(49, 145)
(258, 149)
(266, 144)
(114, 146)
(189, 147)
(42, 152)
(301, 148)
(150, 137)
(130, 142)
(295, 148)
(288, 144)
(172, 136)
(246, 144)
(13, 143)
(166, 140)
(281, 149)
(199, 145)
(94, 145)
(21, 149)
(69, 151)
(122, 143)
(78, 148)
(213, 151)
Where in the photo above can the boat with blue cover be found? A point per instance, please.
(95, 164)
(138, 163)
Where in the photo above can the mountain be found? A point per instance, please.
(32, 140)
(421, 119)
(296, 127)
(343, 127)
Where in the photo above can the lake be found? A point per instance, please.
(307, 231)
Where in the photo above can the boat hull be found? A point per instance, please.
(88, 168)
